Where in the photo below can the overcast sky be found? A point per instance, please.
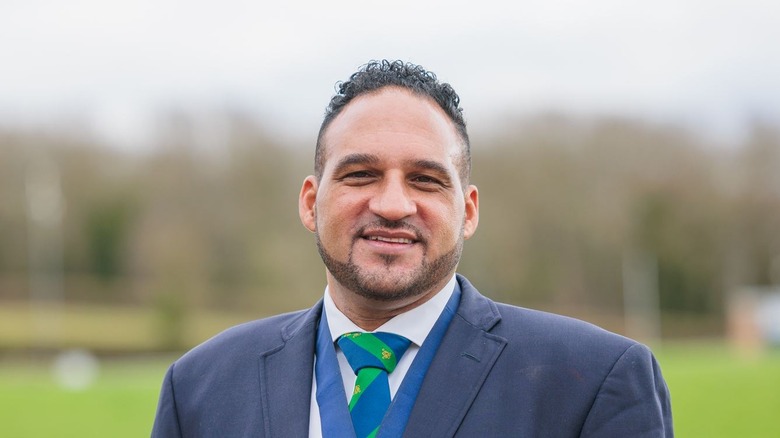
(711, 64)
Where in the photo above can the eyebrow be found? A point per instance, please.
(431, 165)
(371, 159)
(353, 159)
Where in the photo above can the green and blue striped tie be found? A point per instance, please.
(372, 356)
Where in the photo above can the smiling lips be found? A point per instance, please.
(391, 237)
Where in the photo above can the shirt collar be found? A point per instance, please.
(414, 324)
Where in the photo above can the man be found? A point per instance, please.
(390, 205)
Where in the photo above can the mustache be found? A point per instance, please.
(382, 223)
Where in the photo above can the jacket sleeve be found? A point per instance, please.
(166, 420)
(633, 399)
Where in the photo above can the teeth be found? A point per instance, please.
(389, 239)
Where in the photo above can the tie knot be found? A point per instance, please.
(377, 350)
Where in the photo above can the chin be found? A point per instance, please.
(388, 293)
(390, 278)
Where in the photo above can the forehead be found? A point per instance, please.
(393, 122)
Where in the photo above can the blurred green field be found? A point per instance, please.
(120, 403)
(715, 393)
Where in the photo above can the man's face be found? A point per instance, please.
(389, 212)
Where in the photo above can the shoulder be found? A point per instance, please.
(249, 340)
(542, 333)
(543, 326)
(555, 339)
(574, 373)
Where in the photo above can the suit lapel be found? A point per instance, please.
(457, 373)
(286, 376)
(464, 360)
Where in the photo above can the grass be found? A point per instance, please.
(120, 403)
(715, 393)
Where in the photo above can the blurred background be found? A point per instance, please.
(151, 154)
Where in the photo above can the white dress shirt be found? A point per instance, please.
(413, 325)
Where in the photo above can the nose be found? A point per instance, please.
(392, 200)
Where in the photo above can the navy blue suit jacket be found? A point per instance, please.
(501, 371)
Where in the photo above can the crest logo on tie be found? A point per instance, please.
(372, 356)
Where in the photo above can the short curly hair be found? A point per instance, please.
(379, 74)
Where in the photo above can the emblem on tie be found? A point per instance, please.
(372, 356)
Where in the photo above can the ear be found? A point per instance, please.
(307, 201)
(471, 214)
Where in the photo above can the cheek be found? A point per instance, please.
(336, 213)
(445, 222)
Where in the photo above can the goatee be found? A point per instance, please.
(381, 286)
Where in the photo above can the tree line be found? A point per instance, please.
(564, 203)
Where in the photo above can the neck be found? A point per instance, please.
(369, 314)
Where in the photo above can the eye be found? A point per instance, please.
(426, 180)
(357, 177)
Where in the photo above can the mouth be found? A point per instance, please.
(389, 239)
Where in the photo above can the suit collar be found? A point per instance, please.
(464, 360)
(285, 377)
(465, 357)
(307, 321)
(475, 309)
